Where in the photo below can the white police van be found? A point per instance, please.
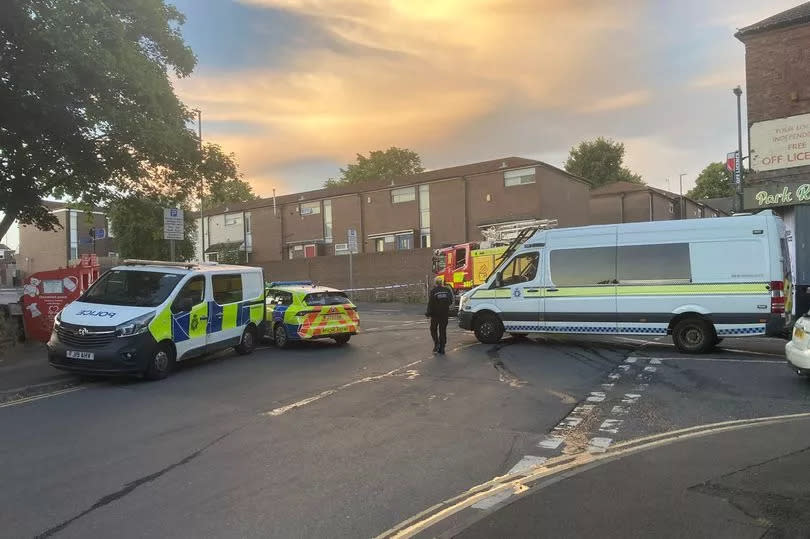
(142, 316)
(698, 280)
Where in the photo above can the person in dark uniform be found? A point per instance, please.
(440, 299)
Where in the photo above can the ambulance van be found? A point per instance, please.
(698, 280)
(143, 316)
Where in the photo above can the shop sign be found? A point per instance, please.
(780, 143)
(778, 194)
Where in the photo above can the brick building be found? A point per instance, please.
(41, 250)
(425, 210)
(777, 65)
(625, 202)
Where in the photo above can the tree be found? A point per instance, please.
(380, 165)
(713, 182)
(600, 161)
(88, 108)
(222, 180)
(138, 225)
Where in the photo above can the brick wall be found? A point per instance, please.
(369, 269)
(777, 64)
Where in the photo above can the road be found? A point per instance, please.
(321, 440)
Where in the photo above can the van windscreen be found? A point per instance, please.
(133, 288)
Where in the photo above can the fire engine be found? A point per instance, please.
(466, 265)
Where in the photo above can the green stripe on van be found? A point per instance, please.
(229, 315)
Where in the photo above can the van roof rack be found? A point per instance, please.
(290, 283)
(138, 262)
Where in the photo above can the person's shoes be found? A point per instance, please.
(435, 349)
(441, 351)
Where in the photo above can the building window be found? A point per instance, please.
(327, 221)
(406, 194)
(404, 241)
(309, 208)
(290, 253)
(521, 176)
(248, 233)
(379, 245)
(211, 257)
(424, 215)
(672, 208)
(233, 219)
(110, 229)
(74, 234)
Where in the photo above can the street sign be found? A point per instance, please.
(100, 234)
(172, 224)
(351, 236)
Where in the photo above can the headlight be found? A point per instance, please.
(462, 301)
(136, 326)
(57, 320)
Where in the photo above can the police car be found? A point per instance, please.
(299, 310)
(142, 316)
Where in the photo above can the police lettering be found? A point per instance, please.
(87, 312)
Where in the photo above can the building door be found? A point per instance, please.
(310, 251)
(519, 294)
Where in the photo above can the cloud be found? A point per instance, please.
(417, 73)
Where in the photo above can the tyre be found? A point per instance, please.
(342, 339)
(488, 328)
(248, 343)
(694, 336)
(161, 363)
(280, 336)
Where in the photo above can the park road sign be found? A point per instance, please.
(172, 224)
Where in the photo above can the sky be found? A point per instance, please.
(297, 88)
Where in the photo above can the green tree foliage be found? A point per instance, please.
(138, 226)
(713, 182)
(88, 110)
(380, 165)
(601, 161)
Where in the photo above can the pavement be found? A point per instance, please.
(321, 440)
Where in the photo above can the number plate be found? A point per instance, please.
(333, 317)
(81, 355)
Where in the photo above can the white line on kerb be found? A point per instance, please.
(726, 359)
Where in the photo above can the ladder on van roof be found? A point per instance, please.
(519, 240)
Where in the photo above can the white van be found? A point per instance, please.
(141, 317)
(698, 280)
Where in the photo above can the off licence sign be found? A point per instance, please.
(172, 224)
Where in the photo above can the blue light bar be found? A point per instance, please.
(290, 283)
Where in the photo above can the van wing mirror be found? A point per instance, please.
(498, 282)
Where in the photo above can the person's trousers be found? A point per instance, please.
(438, 330)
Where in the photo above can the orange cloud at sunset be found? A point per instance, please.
(410, 73)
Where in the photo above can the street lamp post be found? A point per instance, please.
(202, 185)
(683, 205)
(738, 165)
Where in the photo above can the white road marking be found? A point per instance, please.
(527, 463)
(551, 442)
(655, 361)
(611, 425)
(619, 410)
(614, 376)
(493, 500)
(631, 360)
(630, 398)
(753, 353)
(596, 396)
(599, 444)
(583, 408)
(309, 400)
(608, 386)
(43, 396)
(723, 359)
(624, 367)
(650, 369)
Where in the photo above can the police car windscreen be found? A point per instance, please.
(134, 288)
(326, 298)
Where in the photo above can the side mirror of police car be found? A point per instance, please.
(498, 282)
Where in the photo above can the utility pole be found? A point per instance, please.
(738, 164)
(683, 204)
(202, 185)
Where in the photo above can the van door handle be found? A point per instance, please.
(203, 318)
(532, 290)
(552, 289)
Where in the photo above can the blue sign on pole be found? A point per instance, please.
(100, 234)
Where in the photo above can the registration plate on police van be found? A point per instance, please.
(72, 354)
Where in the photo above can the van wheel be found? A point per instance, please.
(488, 329)
(248, 343)
(342, 339)
(280, 336)
(160, 364)
(694, 336)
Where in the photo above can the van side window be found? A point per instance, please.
(227, 288)
(285, 297)
(521, 269)
(461, 257)
(583, 267)
(654, 263)
(193, 291)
